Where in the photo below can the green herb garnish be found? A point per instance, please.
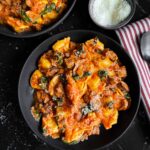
(59, 58)
(76, 77)
(37, 114)
(127, 96)
(43, 82)
(35, 22)
(1, 22)
(59, 100)
(54, 98)
(59, 103)
(102, 73)
(57, 117)
(110, 104)
(87, 109)
(25, 16)
(44, 79)
(44, 131)
(86, 74)
(63, 78)
(71, 143)
(79, 51)
(58, 9)
(48, 8)
(95, 40)
(99, 51)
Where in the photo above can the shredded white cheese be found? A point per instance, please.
(109, 12)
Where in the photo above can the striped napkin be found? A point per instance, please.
(130, 39)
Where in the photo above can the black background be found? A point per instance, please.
(14, 132)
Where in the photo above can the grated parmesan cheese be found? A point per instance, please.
(109, 12)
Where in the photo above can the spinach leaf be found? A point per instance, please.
(87, 73)
(58, 9)
(43, 82)
(37, 114)
(87, 109)
(102, 74)
(99, 51)
(63, 78)
(1, 22)
(127, 96)
(54, 98)
(44, 79)
(71, 143)
(25, 16)
(76, 77)
(110, 104)
(48, 8)
(44, 130)
(79, 51)
(59, 58)
(59, 100)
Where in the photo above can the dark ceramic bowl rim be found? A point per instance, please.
(121, 24)
(41, 32)
(66, 33)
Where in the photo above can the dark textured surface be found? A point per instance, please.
(33, 33)
(14, 132)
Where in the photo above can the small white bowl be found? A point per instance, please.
(122, 23)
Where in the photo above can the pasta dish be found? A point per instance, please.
(25, 15)
(77, 88)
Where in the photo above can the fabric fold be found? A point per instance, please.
(130, 37)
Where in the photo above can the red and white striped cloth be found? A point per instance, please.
(130, 39)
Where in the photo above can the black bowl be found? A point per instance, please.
(25, 92)
(122, 23)
(6, 30)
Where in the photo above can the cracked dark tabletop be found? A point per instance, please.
(14, 132)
